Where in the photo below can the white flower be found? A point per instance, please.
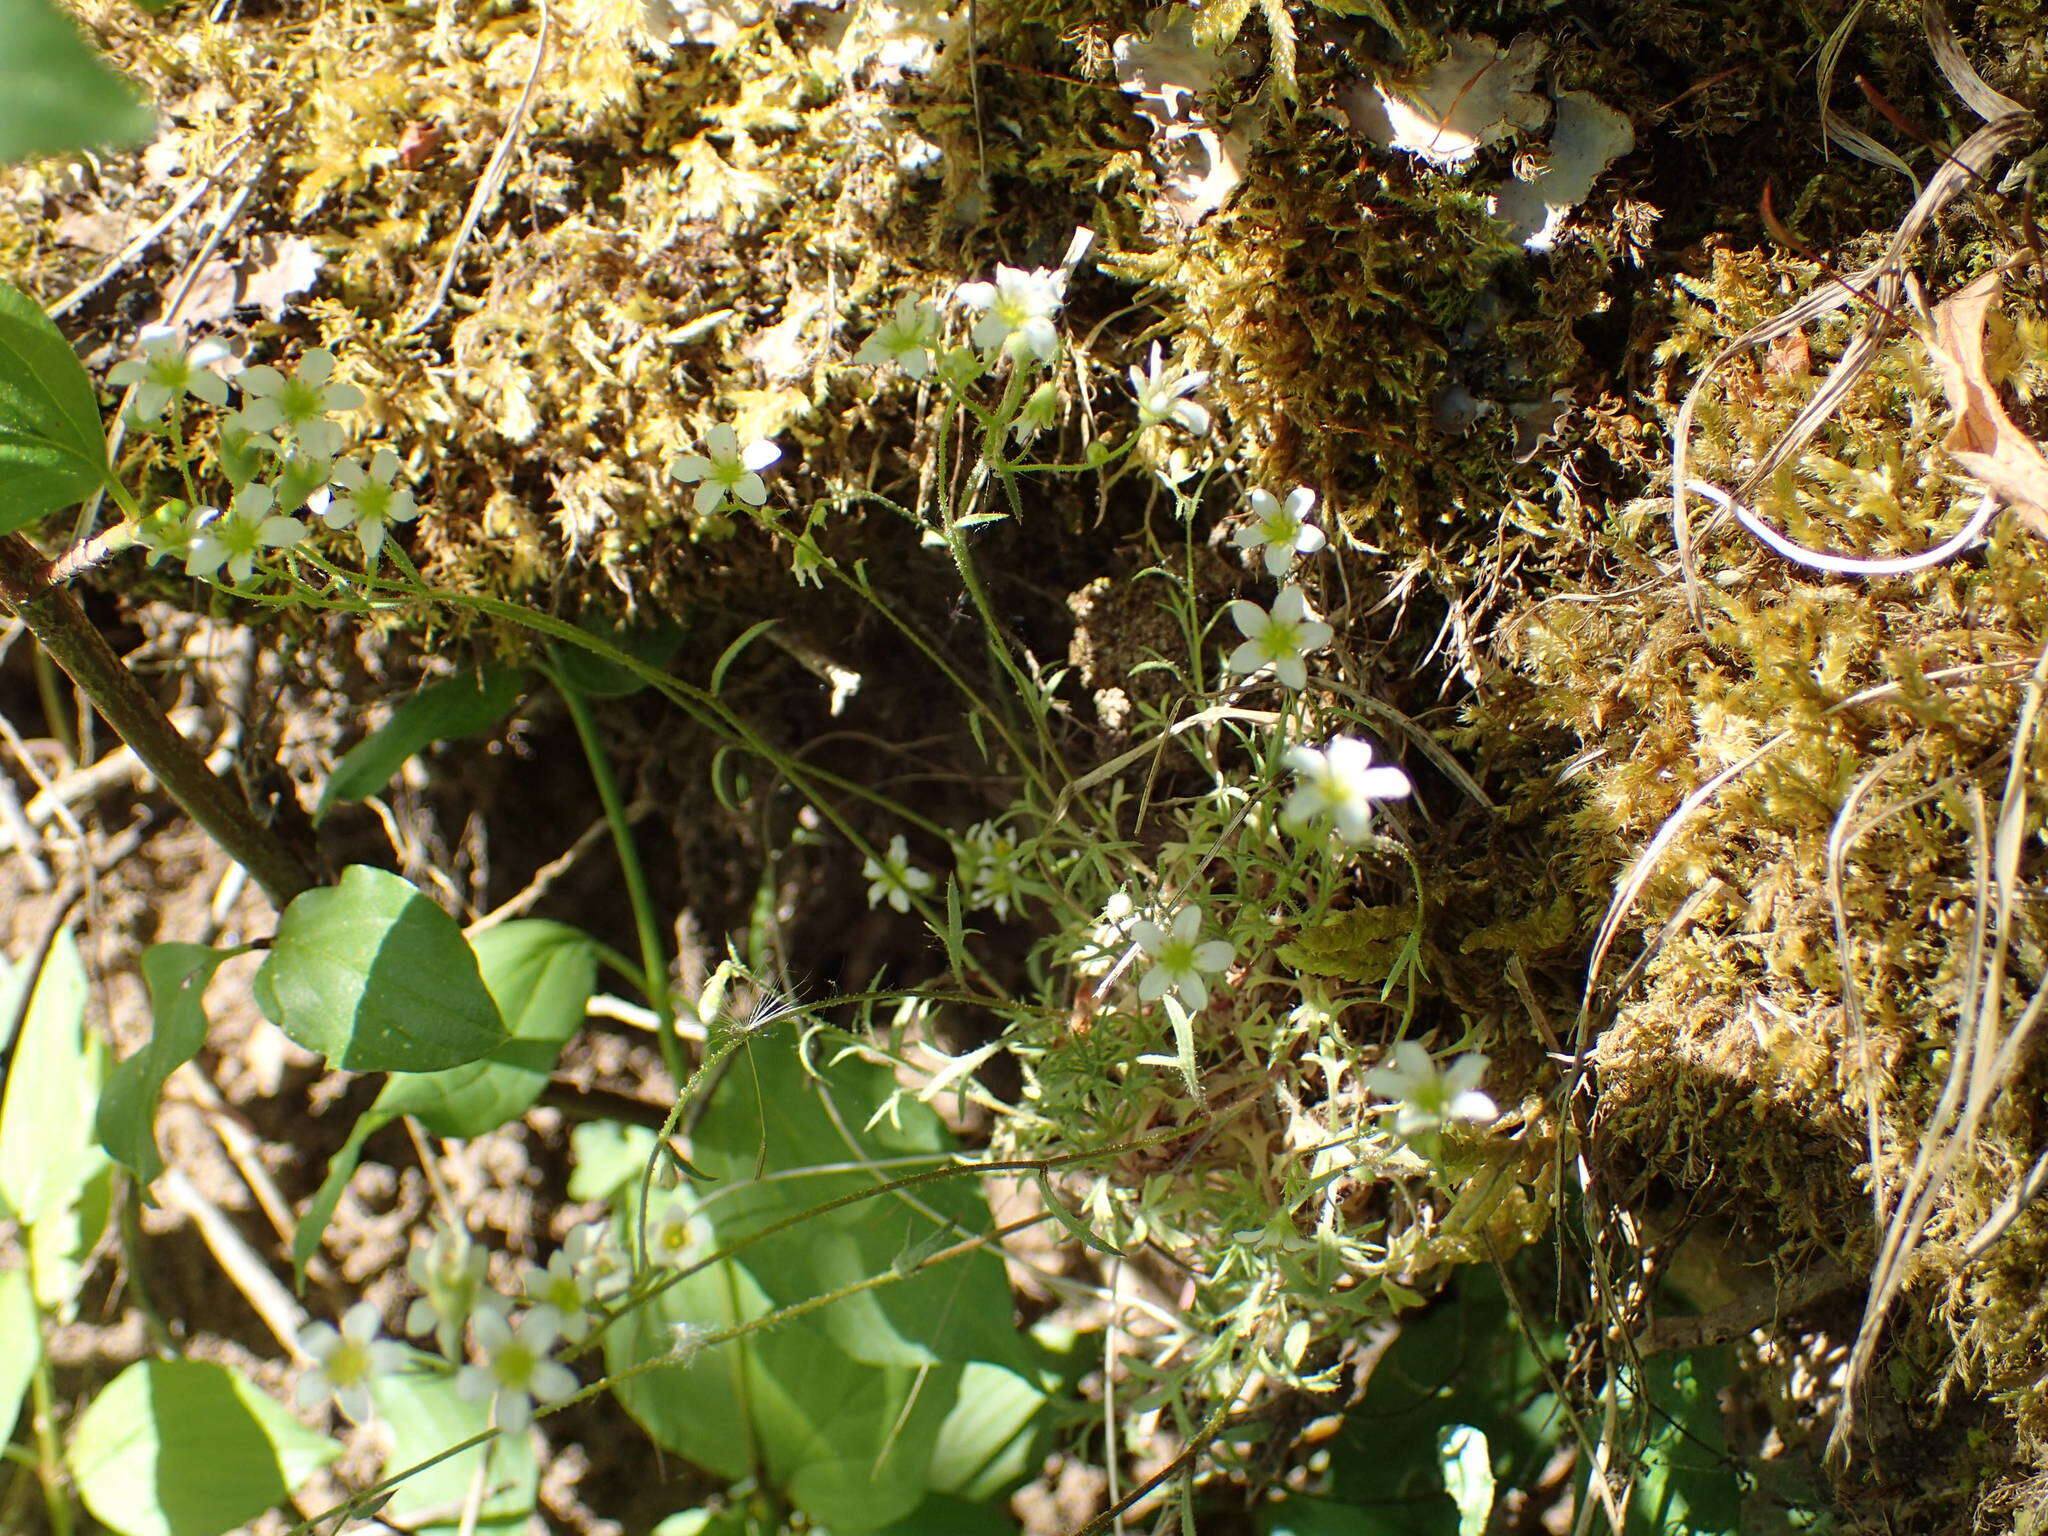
(1282, 528)
(1175, 470)
(1424, 1096)
(1341, 781)
(994, 868)
(1016, 311)
(346, 1360)
(727, 470)
(297, 404)
(1278, 641)
(369, 501)
(516, 1371)
(449, 1270)
(905, 338)
(566, 1294)
(1108, 936)
(168, 369)
(675, 1234)
(893, 877)
(236, 537)
(1177, 960)
(593, 1255)
(1160, 392)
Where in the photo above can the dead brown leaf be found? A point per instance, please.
(1984, 440)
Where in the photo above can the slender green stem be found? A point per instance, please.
(49, 1456)
(653, 953)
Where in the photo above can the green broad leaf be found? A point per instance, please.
(600, 677)
(188, 1448)
(376, 978)
(848, 1443)
(857, 1411)
(56, 93)
(21, 1346)
(319, 1211)
(425, 1416)
(989, 1442)
(541, 975)
(51, 452)
(943, 1515)
(772, 1114)
(60, 1246)
(1463, 1361)
(177, 976)
(1686, 1482)
(53, 1083)
(608, 1157)
(443, 711)
(1467, 1470)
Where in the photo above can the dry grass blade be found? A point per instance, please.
(1645, 863)
(1881, 285)
(1982, 1058)
(1957, 71)
(1833, 129)
(1847, 829)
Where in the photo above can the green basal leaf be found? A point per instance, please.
(52, 453)
(21, 1345)
(540, 974)
(854, 1412)
(1467, 1470)
(443, 711)
(177, 976)
(598, 677)
(188, 1448)
(376, 978)
(53, 1085)
(425, 1416)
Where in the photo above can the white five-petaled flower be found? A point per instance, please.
(346, 1360)
(449, 1270)
(1016, 311)
(568, 1294)
(168, 369)
(1278, 641)
(1425, 1096)
(594, 1255)
(516, 1371)
(238, 536)
(1341, 781)
(675, 1234)
(1161, 393)
(994, 867)
(893, 878)
(906, 338)
(297, 404)
(1282, 528)
(1178, 960)
(726, 470)
(369, 501)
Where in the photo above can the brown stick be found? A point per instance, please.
(53, 616)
